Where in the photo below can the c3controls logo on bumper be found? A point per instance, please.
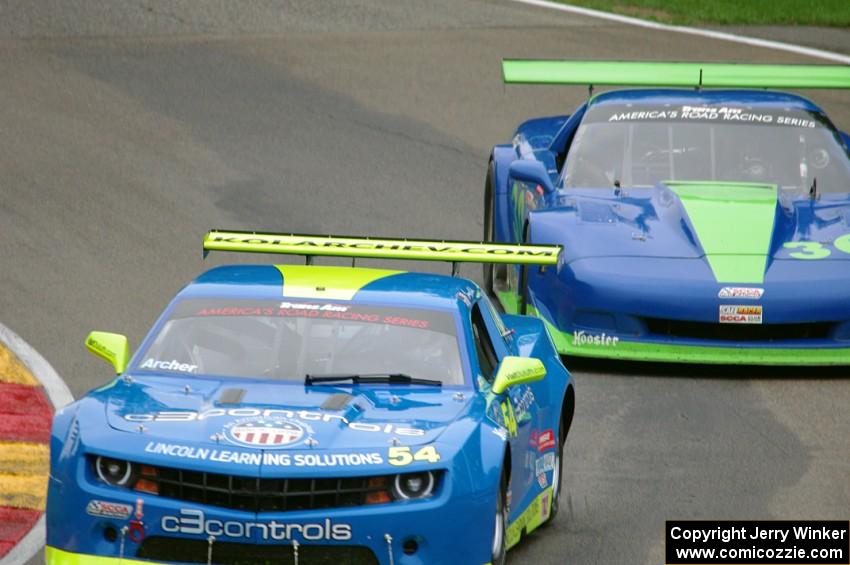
(194, 522)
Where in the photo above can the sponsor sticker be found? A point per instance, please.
(546, 440)
(751, 293)
(542, 480)
(191, 521)
(584, 338)
(740, 314)
(269, 459)
(104, 509)
(274, 414)
(523, 403)
(173, 365)
(545, 464)
(266, 433)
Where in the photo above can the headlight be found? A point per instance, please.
(413, 485)
(114, 471)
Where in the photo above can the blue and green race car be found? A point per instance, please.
(703, 218)
(302, 414)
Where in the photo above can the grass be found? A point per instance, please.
(832, 13)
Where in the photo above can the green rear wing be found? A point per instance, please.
(691, 75)
(380, 248)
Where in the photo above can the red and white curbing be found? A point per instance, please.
(59, 395)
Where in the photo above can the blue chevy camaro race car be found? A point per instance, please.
(699, 224)
(315, 414)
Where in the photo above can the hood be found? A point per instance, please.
(250, 414)
(739, 229)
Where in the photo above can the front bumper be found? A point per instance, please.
(176, 531)
(685, 353)
(611, 345)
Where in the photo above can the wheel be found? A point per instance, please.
(499, 549)
(557, 476)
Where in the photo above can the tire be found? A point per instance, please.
(499, 547)
(558, 476)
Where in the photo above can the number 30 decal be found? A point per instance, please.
(816, 250)
(401, 456)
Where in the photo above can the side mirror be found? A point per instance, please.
(532, 172)
(517, 370)
(110, 347)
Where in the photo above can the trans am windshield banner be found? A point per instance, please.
(442, 322)
(699, 113)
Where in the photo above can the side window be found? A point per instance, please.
(487, 358)
(504, 332)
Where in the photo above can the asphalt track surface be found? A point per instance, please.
(129, 128)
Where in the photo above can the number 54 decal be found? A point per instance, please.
(817, 250)
(401, 456)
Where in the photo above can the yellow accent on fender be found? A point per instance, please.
(510, 419)
(54, 556)
(531, 518)
(332, 283)
(381, 248)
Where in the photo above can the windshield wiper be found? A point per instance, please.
(371, 378)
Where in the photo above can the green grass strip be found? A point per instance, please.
(831, 13)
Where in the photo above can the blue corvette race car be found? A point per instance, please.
(706, 223)
(290, 414)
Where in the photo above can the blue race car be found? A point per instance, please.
(315, 414)
(699, 224)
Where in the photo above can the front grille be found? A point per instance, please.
(159, 548)
(738, 332)
(256, 494)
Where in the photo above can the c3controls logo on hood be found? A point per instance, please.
(265, 433)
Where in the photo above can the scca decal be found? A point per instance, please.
(817, 250)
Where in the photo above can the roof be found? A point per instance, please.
(331, 283)
(761, 98)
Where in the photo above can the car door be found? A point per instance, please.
(516, 406)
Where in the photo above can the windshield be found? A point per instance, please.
(288, 340)
(631, 146)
